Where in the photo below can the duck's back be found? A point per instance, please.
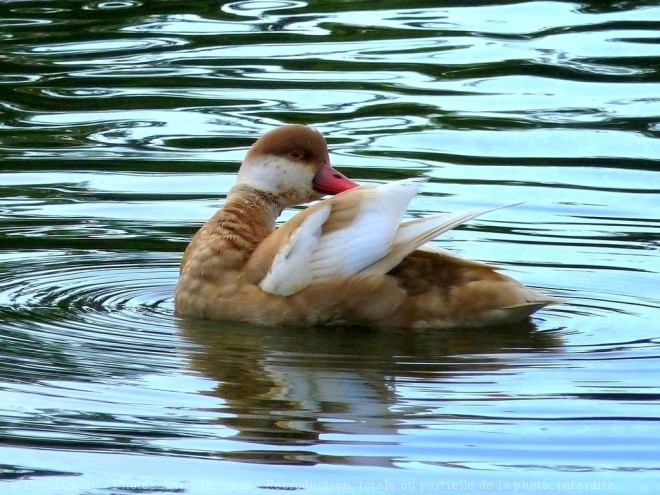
(443, 290)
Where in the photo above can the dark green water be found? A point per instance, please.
(121, 127)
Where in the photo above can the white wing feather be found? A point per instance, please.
(309, 256)
(372, 243)
(369, 237)
(415, 234)
(290, 271)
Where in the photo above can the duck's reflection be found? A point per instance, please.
(291, 386)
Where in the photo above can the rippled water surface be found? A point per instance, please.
(122, 126)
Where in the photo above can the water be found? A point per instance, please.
(122, 126)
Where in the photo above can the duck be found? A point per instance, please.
(348, 259)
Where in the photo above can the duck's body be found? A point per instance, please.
(346, 260)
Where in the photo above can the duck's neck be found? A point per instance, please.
(247, 218)
(226, 241)
(256, 202)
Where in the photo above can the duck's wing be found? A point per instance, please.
(415, 234)
(336, 238)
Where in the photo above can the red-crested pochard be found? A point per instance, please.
(345, 260)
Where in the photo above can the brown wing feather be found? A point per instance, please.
(444, 289)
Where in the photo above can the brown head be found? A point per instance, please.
(292, 162)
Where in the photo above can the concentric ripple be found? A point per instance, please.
(97, 312)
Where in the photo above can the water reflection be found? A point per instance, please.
(298, 387)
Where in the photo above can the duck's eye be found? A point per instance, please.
(295, 153)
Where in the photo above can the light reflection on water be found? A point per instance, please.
(123, 123)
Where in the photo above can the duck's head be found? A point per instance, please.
(292, 163)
